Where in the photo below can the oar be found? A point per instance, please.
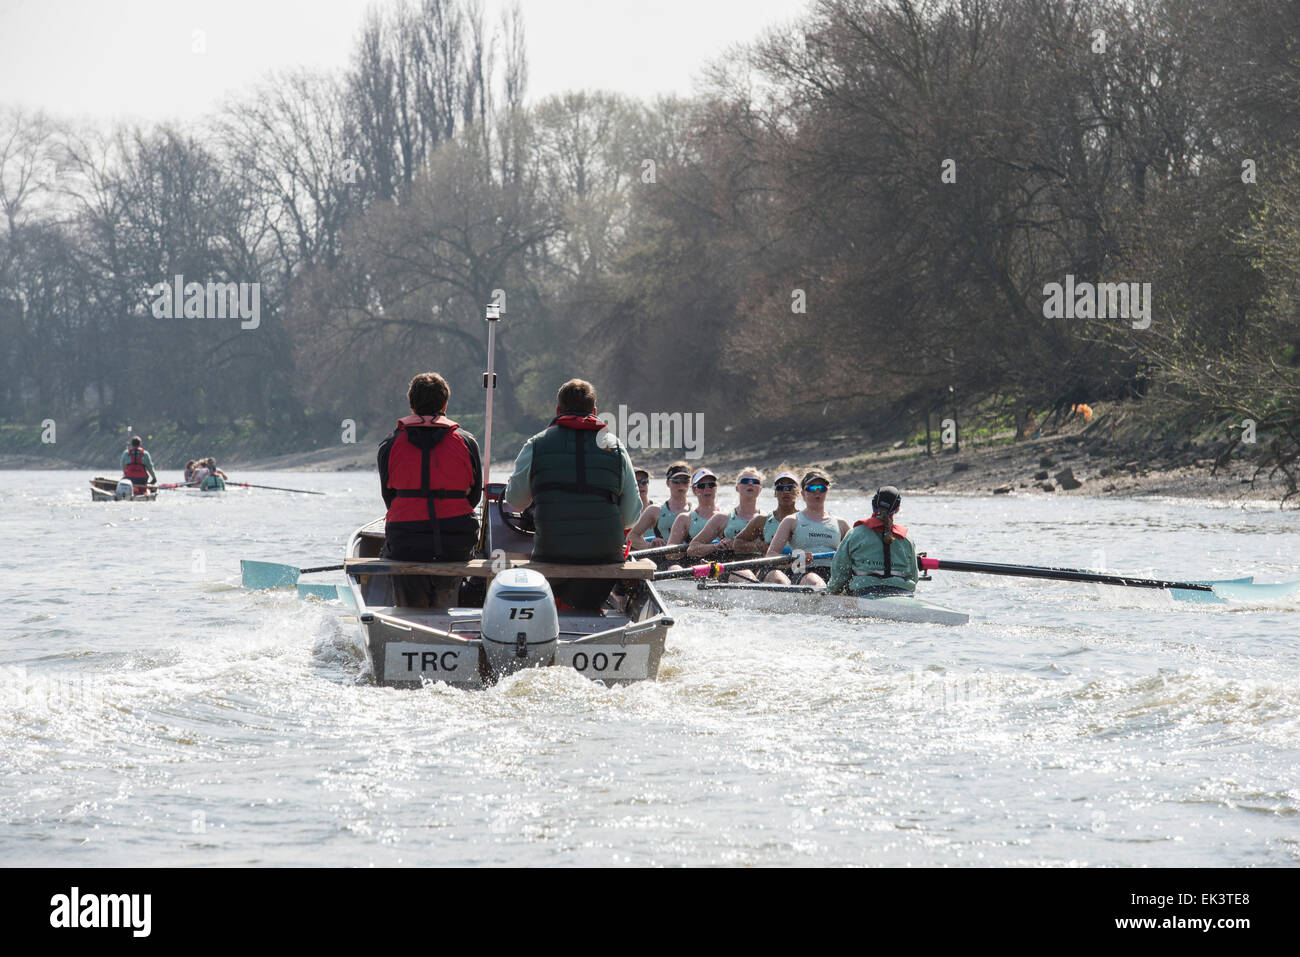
(176, 485)
(661, 550)
(274, 488)
(718, 569)
(273, 575)
(1056, 574)
(1235, 590)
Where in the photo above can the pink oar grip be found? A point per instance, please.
(929, 563)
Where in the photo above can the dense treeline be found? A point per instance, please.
(852, 217)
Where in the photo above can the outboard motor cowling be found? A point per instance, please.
(520, 623)
(125, 489)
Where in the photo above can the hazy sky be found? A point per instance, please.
(135, 58)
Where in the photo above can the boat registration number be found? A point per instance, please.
(606, 661)
(408, 661)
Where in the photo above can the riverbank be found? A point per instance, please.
(1110, 456)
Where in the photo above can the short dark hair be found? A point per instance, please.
(576, 397)
(135, 441)
(428, 394)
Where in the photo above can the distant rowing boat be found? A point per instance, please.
(805, 600)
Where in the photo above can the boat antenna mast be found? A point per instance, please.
(493, 316)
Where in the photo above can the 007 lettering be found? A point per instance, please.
(599, 661)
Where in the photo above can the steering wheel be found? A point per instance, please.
(521, 522)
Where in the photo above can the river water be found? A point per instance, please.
(155, 713)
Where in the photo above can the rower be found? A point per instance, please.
(704, 483)
(581, 480)
(719, 533)
(214, 480)
(658, 519)
(190, 468)
(876, 557)
(431, 478)
(758, 534)
(809, 530)
(138, 466)
(643, 487)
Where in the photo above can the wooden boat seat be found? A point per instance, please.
(482, 568)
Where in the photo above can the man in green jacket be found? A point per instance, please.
(581, 483)
(876, 557)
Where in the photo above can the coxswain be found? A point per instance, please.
(138, 466)
(657, 520)
(809, 530)
(579, 480)
(876, 557)
(431, 478)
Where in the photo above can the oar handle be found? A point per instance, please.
(1055, 574)
(661, 550)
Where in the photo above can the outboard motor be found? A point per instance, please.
(520, 623)
(125, 490)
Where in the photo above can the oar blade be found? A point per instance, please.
(1207, 597)
(1257, 592)
(326, 592)
(267, 574)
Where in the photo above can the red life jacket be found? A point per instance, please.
(876, 525)
(429, 483)
(135, 470)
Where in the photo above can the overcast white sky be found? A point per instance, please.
(133, 59)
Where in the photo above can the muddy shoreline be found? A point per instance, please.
(1071, 462)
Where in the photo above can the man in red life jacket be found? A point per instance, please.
(582, 484)
(431, 478)
(138, 466)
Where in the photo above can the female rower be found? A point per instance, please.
(758, 534)
(719, 533)
(643, 487)
(808, 531)
(190, 468)
(704, 483)
(658, 519)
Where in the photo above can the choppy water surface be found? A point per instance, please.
(155, 713)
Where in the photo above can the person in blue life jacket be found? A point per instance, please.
(876, 557)
(580, 481)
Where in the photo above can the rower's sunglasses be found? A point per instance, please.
(789, 487)
(816, 488)
(642, 481)
(706, 484)
(680, 479)
(750, 481)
